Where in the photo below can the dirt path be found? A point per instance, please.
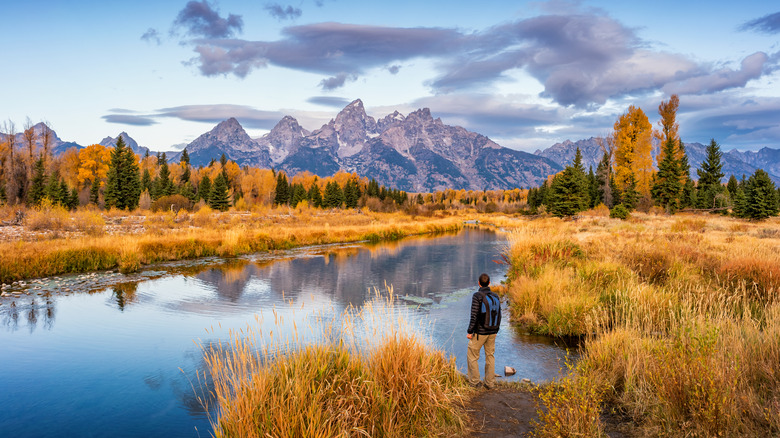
(503, 412)
(510, 409)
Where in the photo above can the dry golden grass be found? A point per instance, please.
(681, 317)
(379, 380)
(169, 236)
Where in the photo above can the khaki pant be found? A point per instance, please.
(475, 345)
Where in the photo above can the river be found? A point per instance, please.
(112, 355)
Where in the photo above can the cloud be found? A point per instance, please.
(334, 49)
(581, 59)
(248, 116)
(200, 20)
(281, 13)
(330, 101)
(152, 36)
(752, 67)
(129, 119)
(336, 81)
(767, 24)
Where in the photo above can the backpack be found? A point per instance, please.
(491, 307)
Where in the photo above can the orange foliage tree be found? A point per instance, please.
(633, 150)
(93, 164)
(668, 124)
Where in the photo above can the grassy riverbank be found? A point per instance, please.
(56, 242)
(681, 318)
(370, 381)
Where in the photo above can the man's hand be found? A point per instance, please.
(468, 336)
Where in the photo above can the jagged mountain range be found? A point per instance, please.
(735, 162)
(413, 152)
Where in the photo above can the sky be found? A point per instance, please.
(527, 74)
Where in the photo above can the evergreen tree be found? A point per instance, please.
(53, 190)
(73, 201)
(710, 174)
(334, 196)
(688, 194)
(541, 195)
(298, 194)
(218, 198)
(204, 189)
(94, 192)
(568, 193)
(64, 194)
(315, 195)
(352, 194)
(667, 187)
(603, 177)
(593, 189)
(760, 197)
(123, 184)
(146, 180)
(188, 192)
(282, 189)
(163, 185)
(373, 188)
(630, 196)
(38, 187)
(731, 187)
(184, 161)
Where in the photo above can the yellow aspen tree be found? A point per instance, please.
(668, 125)
(633, 150)
(93, 166)
(69, 167)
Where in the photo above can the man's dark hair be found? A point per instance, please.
(484, 280)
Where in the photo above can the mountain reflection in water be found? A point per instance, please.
(124, 361)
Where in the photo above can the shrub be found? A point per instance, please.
(171, 202)
(619, 212)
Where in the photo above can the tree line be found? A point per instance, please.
(625, 178)
(115, 177)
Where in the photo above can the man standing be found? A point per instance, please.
(483, 326)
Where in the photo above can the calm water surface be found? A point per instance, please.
(123, 360)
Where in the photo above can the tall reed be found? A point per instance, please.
(351, 377)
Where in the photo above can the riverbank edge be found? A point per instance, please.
(129, 253)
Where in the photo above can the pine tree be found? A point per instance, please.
(334, 196)
(603, 176)
(218, 198)
(282, 189)
(710, 174)
(667, 188)
(352, 194)
(630, 197)
(298, 194)
(204, 188)
(593, 189)
(38, 187)
(73, 201)
(731, 187)
(123, 184)
(163, 186)
(53, 189)
(184, 162)
(373, 188)
(568, 193)
(146, 180)
(94, 192)
(315, 195)
(760, 197)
